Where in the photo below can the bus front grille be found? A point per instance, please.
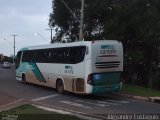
(113, 64)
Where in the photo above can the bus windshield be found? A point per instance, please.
(18, 57)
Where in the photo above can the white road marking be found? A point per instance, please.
(118, 101)
(52, 110)
(45, 97)
(75, 104)
(105, 102)
(93, 103)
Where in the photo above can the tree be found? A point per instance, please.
(62, 18)
(136, 23)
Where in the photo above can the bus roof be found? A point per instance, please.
(57, 45)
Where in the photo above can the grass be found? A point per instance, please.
(29, 112)
(141, 91)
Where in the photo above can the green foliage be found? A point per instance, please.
(29, 112)
(8, 59)
(136, 23)
(62, 18)
(140, 91)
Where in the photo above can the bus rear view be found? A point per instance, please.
(106, 63)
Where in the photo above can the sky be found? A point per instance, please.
(23, 18)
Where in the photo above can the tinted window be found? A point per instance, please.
(70, 55)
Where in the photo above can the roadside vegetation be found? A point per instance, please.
(136, 23)
(140, 91)
(29, 112)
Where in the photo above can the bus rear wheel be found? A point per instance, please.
(60, 86)
(24, 78)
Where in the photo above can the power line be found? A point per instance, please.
(81, 21)
(41, 36)
(71, 11)
(9, 42)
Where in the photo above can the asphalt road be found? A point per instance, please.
(110, 104)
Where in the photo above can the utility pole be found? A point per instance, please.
(51, 29)
(14, 46)
(81, 37)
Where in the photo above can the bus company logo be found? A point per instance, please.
(9, 117)
(107, 49)
(68, 69)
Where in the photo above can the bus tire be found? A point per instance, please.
(24, 78)
(60, 86)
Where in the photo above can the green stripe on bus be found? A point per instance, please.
(37, 72)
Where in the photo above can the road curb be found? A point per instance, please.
(147, 99)
(50, 108)
(75, 113)
(69, 112)
(133, 96)
(12, 105)
(154, 99)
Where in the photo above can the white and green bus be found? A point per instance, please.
(85, 67)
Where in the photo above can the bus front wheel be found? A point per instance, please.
(60, 86)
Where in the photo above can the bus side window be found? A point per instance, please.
(73, 53)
